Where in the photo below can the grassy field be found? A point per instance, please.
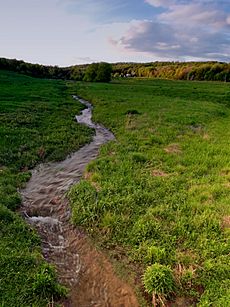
(36, 124)
(158, 197)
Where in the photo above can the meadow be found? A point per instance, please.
(37, 124)
(157, 198)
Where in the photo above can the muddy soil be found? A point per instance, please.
(84, 270)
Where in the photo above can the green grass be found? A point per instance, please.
(36, 125)
(161, 191)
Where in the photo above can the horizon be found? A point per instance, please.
(72, 32)
(114, 63)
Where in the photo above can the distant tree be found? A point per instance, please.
(104, 72)
(76, 74)
(98, 72)
(91, 72)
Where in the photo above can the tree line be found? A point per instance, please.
(209, 71)
(99, 72)
(102, 72)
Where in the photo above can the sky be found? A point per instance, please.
(68, 32)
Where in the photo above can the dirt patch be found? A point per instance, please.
(173, 149)
(226, 221)
(182, 302)
(206, 136)
(196, 128)
(131, 122)
(227, 185)
(225, 172)
(159, 173)
(98, 284)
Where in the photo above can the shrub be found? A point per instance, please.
(158, 280)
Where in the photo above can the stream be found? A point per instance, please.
(86, 271)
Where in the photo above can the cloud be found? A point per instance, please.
(67, 32)
(160, 3)
(195, 14)
(183, 30)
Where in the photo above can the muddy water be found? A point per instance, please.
(86, 271)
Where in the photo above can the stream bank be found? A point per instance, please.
(84, 270)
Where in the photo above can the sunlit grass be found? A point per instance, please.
(161, 191)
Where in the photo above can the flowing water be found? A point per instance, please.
(84, 270)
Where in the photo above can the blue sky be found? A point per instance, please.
(67, 32)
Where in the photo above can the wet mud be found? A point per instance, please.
(85, 271)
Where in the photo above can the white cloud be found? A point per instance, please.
(193, 15)
(67, 32)
(194, 29)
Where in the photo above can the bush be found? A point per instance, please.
(158, 280)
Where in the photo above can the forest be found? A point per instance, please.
(199, 71)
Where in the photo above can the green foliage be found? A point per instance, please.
(156, 254)
(45, 284)
(217, 295)
(104, 72)
(160, 192)
(91, 72)
(138, 157)
(209, 71)
(84, 194)
(99, 72)
(215, 269)
(158, 279)
(6, 216)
